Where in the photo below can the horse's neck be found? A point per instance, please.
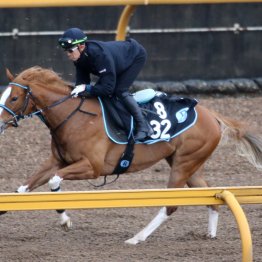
(46, 95)
(45, 99)
(55, 114)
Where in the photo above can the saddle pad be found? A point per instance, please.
(168, 116)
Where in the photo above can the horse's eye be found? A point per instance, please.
(13, 99)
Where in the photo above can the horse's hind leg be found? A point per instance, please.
(182, 169)
(197, 180)
(177, 179)
(159, 219)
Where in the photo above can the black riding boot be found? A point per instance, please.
(142, 128)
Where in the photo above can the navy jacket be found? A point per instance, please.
(106, 60)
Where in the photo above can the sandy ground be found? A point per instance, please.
(99, 235)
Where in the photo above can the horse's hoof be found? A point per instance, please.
(67, 225)
(132, 241)
(209, 236)
(2, 212)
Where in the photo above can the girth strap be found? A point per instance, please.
(123, 163)
(126, 158)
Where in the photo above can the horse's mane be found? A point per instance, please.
(46, 77)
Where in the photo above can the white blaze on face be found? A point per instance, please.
(4, 97)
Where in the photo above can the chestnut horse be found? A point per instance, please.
(80, 148)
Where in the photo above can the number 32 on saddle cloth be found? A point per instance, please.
(168, 116)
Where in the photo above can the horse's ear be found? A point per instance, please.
(9, 74)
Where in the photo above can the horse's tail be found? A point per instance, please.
(247, 143)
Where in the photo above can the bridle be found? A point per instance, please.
(17, 116)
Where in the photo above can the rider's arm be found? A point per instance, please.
(82, 77)
(105, 66)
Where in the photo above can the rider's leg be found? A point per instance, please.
(124, 81)
(142, 128)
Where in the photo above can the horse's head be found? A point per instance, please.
(20, 97)
(13, 101)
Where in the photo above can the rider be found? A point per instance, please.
(116, 63)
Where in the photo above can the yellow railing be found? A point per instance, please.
(232, 196)
(130, 6)
(57, 3)
(127, 198)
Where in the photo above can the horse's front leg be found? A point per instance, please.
(78, 171)
(39, 178)
(48, 169)
(42, 176)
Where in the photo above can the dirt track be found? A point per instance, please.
(99, 235)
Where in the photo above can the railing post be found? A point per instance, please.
(229, 198)
(123, 22)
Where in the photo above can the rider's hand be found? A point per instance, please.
(80, 90)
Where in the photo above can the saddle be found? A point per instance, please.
(168, 115)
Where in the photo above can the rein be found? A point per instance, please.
(29, 94)
(21, 115)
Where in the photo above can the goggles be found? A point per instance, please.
(71, 50)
